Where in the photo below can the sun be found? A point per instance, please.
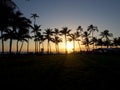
(69, 46)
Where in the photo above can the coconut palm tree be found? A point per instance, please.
(22, 35)
(56, 40)
(23, 30)
(119, 41)
(6, 7)
(92, 29)
(78, 33)
(73, 37)
(18, 26)
(34, 16)
(65, 31)
(35, 30)
(115, 42)
(105, 35)
(56, 32)
(48, 33)
(100, 42)
(23, 38)
(40, 38)
(80, 29)
(86, 40)
(94, 42)
(9, 34)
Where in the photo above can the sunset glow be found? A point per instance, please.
(69, 47)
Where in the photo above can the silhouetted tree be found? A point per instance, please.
(119, 41)
(22, 32)
(73, 37)
(115, 42)
(56, 32)
(56, 40)
(105, 34)
(48, 33)
(34, 16)
(79, 35)
(65, 31)
(40, 38)
(94, 42)
(86, 40)
(35, 30)
(100, 42)
(92, 29)
(6, 7)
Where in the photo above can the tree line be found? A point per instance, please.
(14, 26)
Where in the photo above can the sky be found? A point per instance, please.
(71, 13)
(105, 14)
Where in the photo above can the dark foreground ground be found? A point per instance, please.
(61, 72)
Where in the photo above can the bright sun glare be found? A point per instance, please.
(69, 46)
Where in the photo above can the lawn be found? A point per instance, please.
(61, 72)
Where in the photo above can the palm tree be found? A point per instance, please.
(6, 7)
(78, 34)
(65, 31)
(80, 29)
(56, 32)
(23, 38)
(48, 33)
(119, 41)
(105, 34)
(22, 35)
(34, 16)
(35, 30)
(94, 41)
(92, 29)
(28, 41)
(18, 26)
(22, 32)
(86, 41)
(10, 34)
(40, 38)
(73, 37)
(57, 40)
(115, 42)
(100, 42)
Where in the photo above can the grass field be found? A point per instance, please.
(61, 72)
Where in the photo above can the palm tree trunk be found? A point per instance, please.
(2, 45)
(36, 46)
(39, 48)
(21, 47)
(93, 41)
(73, 46)
(28, 46)
(79, 46)
(17, 46)
(10, 48)
(93, 46)
(42, 45)
(66, 45)
(2, 42)
(58, 48)
(48, 47)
